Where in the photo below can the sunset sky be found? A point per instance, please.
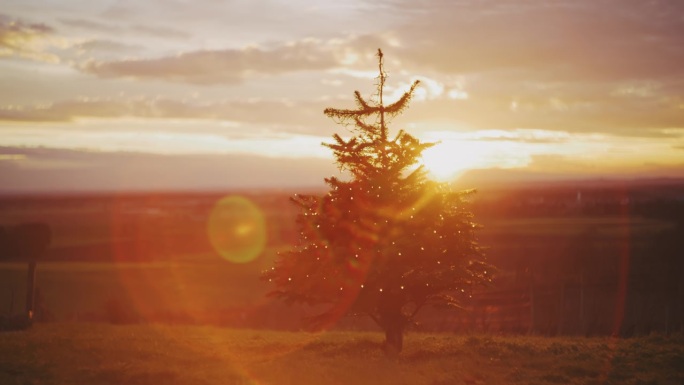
(217, 94)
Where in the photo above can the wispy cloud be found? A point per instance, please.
(91, 25)
(604, 66)
(220, 66)
(22, 39)
(604, 40)
(97, 25)
(111, 46)
(57, 170)
(280, 112)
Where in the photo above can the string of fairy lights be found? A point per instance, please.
(388, 231)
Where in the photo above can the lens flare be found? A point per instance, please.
(237, 229)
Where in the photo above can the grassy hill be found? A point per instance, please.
(148, 354)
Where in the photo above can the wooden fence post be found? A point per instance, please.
(30, 289)
(532, 304)
(26, 242)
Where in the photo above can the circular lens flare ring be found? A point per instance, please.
(237, 229)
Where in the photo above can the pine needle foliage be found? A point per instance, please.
(388, 241)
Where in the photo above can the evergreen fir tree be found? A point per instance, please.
(386, 242)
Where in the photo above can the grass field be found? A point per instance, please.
(601, 226)
(181, 286)
(147, 354)
(72, 289)
(185, 286)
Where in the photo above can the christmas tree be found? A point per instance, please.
(386, 242)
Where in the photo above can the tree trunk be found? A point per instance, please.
(394, 338)
(393, 322)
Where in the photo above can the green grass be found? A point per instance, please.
(148, 354)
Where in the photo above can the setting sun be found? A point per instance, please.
(452, 156)
(447, 160)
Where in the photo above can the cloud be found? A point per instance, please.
(90, 25)
(101, 45)
(347, 55)
(220, 66)
(296, 115)
(657, 117)
(624, 118)
(523, 136)
(127, 29)
(41, 170)
(560, 40)
(22, 39)
(563, 164)
(160, 31)
(571, 166)
(589, 66)
(254, 21)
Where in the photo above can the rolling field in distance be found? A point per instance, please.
(78, 291)
(132, 292)
(199, 286)
(147, 257)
